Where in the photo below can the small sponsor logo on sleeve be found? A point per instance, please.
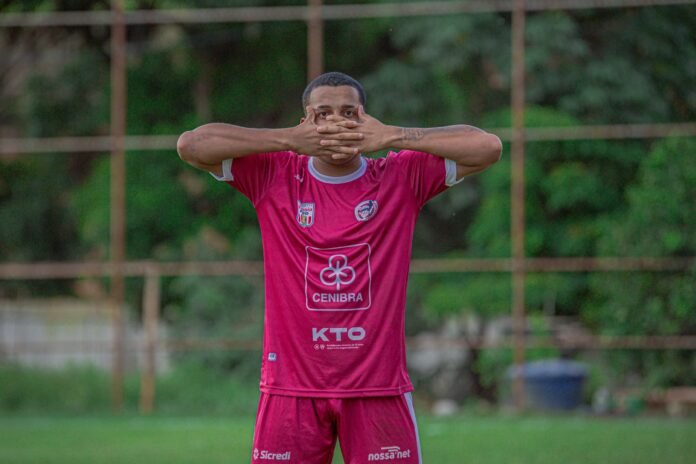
(272, 356)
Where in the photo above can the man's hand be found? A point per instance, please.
(340, 137)
(306, 139)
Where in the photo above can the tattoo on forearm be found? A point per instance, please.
(411, 134)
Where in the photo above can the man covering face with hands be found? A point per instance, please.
(337, 229)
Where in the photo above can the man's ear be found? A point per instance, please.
(309, 114)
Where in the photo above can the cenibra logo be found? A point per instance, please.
(338, 278)
(389, 453)
(338, 272)
(265, 455)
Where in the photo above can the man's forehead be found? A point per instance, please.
(343, 95)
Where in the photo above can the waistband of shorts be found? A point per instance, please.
(335, 393)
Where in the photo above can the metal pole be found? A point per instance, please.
(299, 13)
(25, 347)
(315, 40)
(90, 144)
(151, 306)
(118, 200)
(71, 270)
(517, 197)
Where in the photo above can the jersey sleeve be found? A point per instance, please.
(427, 175)
(254, 174)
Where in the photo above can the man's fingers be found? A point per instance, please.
(333, 129)
(343, 150)
(340, 126)
(334, 154)
(348, 124)
(337, 143)
(344, 136)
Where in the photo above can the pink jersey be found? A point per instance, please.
(336, 258)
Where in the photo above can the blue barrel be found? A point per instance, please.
(552, 384)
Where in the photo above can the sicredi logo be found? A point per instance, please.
(338, 279)
(265, 455)
(389, 453)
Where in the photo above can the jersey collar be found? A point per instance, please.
(337, 179)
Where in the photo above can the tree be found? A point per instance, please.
(658, 222)
(583, 67)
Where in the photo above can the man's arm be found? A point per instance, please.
(207, 146)
(471, 148)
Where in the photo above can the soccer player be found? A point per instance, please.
(337, 229)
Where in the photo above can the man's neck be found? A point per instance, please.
(333, 170)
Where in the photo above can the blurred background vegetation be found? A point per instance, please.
(584, 197)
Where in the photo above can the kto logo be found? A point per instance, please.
(269, 456)
(338, 279)
(337, 334)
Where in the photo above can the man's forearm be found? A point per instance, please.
(466, 145)
(211, 144)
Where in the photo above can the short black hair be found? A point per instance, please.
(332, 79)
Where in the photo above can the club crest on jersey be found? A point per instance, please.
(305, 214)
(366, 210)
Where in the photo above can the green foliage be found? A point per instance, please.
(157, 207)
(657, 222)
(167, 203)
(195, 389)
(224, 308)
(569, 186)
(69, 100)
(583, 67)
(74, 390)
(425, 83)
(218, 307)
(188, 389)
(33, 204)
(157, 105)
(489, 295)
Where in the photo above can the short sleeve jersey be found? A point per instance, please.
(336, 260)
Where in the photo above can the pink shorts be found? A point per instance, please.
(304, 430)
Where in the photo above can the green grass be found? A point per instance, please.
(460, 440)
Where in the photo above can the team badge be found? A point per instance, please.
(365, 210)
(305, 214)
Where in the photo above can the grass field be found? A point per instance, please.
(465, 440)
